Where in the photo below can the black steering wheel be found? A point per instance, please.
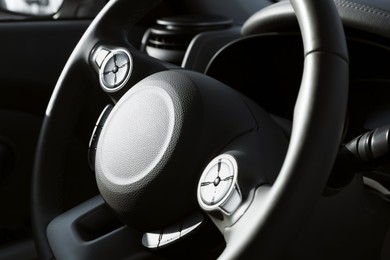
(179, 147)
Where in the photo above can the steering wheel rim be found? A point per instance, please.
(320, 111)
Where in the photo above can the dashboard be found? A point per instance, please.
(268, 66)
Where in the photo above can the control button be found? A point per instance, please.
(100, 56)
(218, 188)
(104, 115)
(93, 142)
(95, 137)
(151, 240)
(170, 235)
(164, 237)
(115, 70)
(93, 146)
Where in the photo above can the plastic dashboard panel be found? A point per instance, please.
(267, 58)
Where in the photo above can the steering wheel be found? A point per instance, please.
(179, 147)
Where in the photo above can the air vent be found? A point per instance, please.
(170, 37)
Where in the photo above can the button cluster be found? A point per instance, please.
(172, 234)
(115, 67)
(93, 142)
(218, 188)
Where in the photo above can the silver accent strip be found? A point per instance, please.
(169, 235)
(375, 185)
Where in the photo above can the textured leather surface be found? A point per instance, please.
(367, 4)
(366, 15)
(157, 140)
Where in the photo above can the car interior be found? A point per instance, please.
(195, 129)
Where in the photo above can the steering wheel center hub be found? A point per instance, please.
(137, 137)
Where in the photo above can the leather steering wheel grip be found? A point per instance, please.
(318, 123)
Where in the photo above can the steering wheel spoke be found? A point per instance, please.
(178, 240)
(91, 231)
